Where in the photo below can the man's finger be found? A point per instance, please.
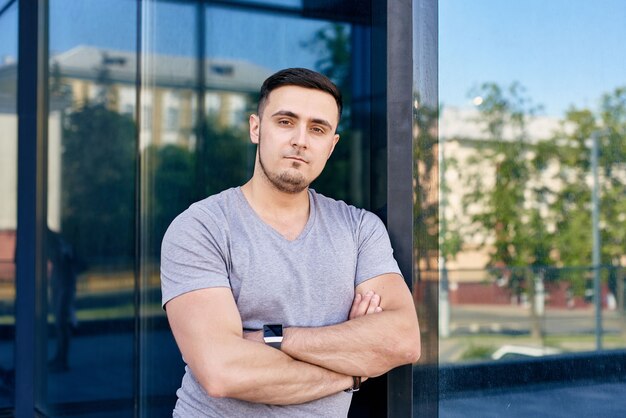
(355, 306)
(374, 303)
(364, 304)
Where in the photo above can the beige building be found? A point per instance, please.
(460, 133)
(169, 105)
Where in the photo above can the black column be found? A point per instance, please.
(425, 79)
(31, 204)
(400, 173)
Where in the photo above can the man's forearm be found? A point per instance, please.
(262, 374)
(366, 346)
(207, 329)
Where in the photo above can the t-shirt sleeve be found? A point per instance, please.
(375, 255)
(193, 255)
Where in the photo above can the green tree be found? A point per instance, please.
(229, 159)
(98, 193)
(508, 217)
(570, 149)
(426, 227)
(508, 202)
(171, 176)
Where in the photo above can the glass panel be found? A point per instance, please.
(8, 202)
(169, 96)
(520, 235)
(91, 208)
(532, 132)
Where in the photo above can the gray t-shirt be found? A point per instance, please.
(308, 282)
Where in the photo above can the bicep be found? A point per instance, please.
(393, 291)
(201, 321)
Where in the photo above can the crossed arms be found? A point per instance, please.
(312, 363)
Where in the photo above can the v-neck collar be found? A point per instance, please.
(309, 224)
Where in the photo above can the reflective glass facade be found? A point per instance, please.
(8, 202)
(531, 148)
(487, 136)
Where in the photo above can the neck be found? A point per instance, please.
(266, 199)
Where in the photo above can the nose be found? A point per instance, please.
(300, 138)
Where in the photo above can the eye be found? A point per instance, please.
(318, 130)
(284, 122)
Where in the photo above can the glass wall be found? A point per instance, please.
(532, 131)
(91, 208)
(168, 115)
(8, 196)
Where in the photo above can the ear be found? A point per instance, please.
(255, 126)
(332, 148)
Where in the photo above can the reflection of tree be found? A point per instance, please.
(534, 211)
(508, 203)
(171, 171)
(332, 45)
(228, 161)
(98, 187)
(571, 151)
(426, 204)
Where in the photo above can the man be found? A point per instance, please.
(282, 300)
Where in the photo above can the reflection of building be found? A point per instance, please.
(169, 111)
(170, 104)
(81, 75)
(464, 140)
(463, 136)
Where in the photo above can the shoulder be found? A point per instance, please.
(213, 207)
(207, 216)
(359, 218)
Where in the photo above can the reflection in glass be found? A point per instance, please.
(168, 139)
(91, 209)
(519, 182)
(8, 198)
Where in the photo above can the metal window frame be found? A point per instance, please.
(31, 201)
(399, 122)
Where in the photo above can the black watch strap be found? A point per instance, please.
(356, 385)
(273, 335)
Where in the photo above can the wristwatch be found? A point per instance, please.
(356, 385)
(273, 335)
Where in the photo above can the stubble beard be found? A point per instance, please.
(286, 181)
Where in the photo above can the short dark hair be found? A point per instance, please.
(301, 77)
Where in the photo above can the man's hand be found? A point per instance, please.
(365, 304)
(365, 345)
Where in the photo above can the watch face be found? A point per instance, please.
(273, 330)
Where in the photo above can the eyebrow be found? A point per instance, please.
(293, 115)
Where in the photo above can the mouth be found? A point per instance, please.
(296, 158)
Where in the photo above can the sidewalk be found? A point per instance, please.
(581, 399)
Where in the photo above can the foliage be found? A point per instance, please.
(98, 192)
(477, 352)
(535, 209)
(171, 171)
(508, 217)
(426, 228)
(225, 160)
